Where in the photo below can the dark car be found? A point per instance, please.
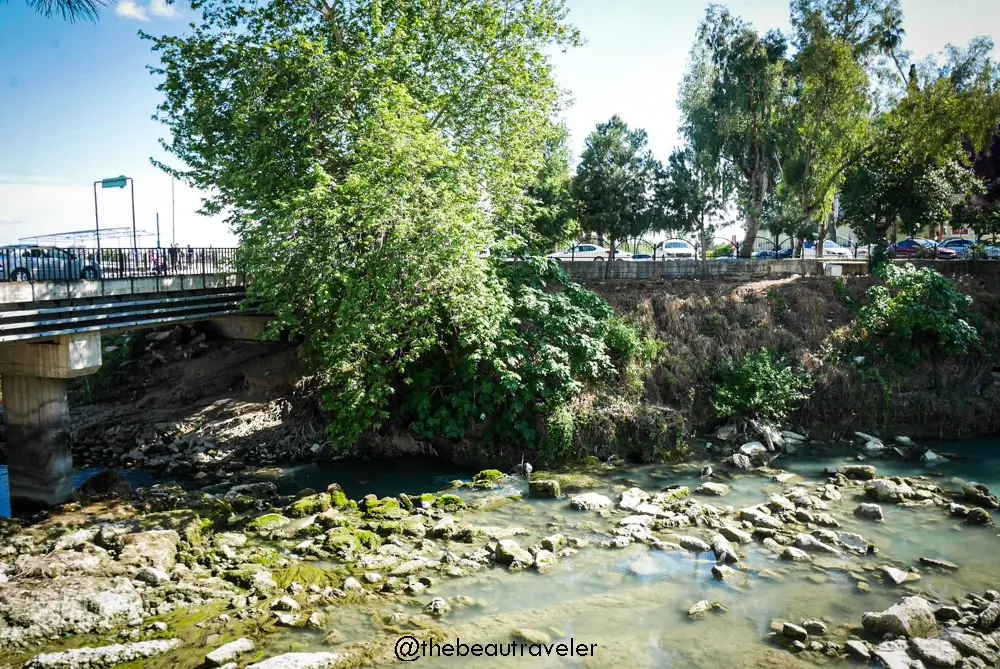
(785, 253)
(962, 247)
(920, 248)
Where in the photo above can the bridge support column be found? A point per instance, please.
(36, 413)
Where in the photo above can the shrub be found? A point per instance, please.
(759, 386)
(558, 442)
(915, 310)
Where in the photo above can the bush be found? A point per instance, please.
(759, 386)
(915, 311)
(557, 445)
(721, 251)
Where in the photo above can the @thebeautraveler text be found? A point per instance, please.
(409, 649)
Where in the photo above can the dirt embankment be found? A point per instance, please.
(705, 322)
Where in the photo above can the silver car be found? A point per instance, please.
(24, 262)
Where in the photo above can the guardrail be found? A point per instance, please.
(39, 263)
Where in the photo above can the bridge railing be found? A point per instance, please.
(38, 263)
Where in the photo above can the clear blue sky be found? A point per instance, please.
(76, 99)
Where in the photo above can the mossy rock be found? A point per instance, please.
(334, 518)
(458, 484)
(427, 499)
(405, 501)
(347, 540)
(490, 503)
(386, 528)
(309, 505)
(193, 532)
(386, 508)
(569, 482)
(267, 523)
(488, 478)
(544, 488)
(338, 498)
(449, 502)
(676, 493)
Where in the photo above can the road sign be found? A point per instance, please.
(114, 182)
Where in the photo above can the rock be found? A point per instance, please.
(102, 656)
(544, 488)
(107, 484)
(704, 606)
(971, 645)
(794, 632)
(884, 490)
(816, 627)
(913, 617)
(735, 534)
(892, 655)
(904, 441)
(437, 607)
(722, 572)
(723, 550)
(898, 576)
(156, 548)
(632, 498)
(940, 564)
(590, 501)
(979, 494)
(869, 511)
(259, 490)
(977, 516)
(859, 472)
(712, 488)
(778, 503)
(932, 458)
(741, 461)
(544, 560)
(527, 635)
(644, 566)
(510, 553)
(874, 449)
(693, 544)
(865, 438)
(229, 652)
(858, 650)
(794, 554)
(285, 604)
(810, 543)
(152, 576)
(936, 652)
(301, 661)
(315, 620)
(725, 433)
(989, 618)
(947, 613)
(553, 542)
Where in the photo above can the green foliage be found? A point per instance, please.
(691, 191)
(549, 210)
(721, 251)
(109, 381)
(613, 186)
(759, 386)
(555, 340)
(557, 446)
(916, 311)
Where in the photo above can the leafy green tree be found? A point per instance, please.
(614, 183)
(827, 124)
(691, 193)
(739, 119)
(365, 152)
(867, 27)
(977, 215)
(549, 210)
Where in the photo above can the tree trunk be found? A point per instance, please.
(610, 260)
(704, 245)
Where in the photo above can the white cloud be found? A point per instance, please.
(128, 9)
(161, 8)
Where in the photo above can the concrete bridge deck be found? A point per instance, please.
(50, 332)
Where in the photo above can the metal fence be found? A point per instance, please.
(39, 263)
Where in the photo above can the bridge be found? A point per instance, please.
(50, 332)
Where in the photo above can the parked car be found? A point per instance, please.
(588, 251)
(918, 247)
(784, 254)
(764, 255)
(831, 249)
(963, 247)
(677, 250)
(24, 262)
(642, 257)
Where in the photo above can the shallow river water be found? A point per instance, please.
(635, 620)
(629, 606)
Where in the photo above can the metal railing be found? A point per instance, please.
(40, 263)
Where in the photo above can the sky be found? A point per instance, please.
(76, 100)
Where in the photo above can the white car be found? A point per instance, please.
(591, 252)
(831, 249)
(677, 250)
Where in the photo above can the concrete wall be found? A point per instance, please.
(23, 291)
(735, 268)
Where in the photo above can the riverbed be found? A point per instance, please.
(630, 606)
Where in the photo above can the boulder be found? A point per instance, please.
(437, 607)
(936, 652)
(228, 652)
(103, 656)
(884, 490)
(301, 661)
(741, 461)
(873, 449)
(107, 484)
(898, 576)
(858, 650)
(791, 631)
(972, 645)
(156, 548)
(151, 576)
(869, 512)
(723, 550)
(794, 554)
(912, 617)
(979, 494)
(712, 488)
(590, 501)
(725, 433)
(859, 472)
(693, 544)
(931, 458)
(632, 498)
(990, 617)
(704, 606)
(545, 488)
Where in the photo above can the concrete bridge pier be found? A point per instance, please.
(36, 413)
